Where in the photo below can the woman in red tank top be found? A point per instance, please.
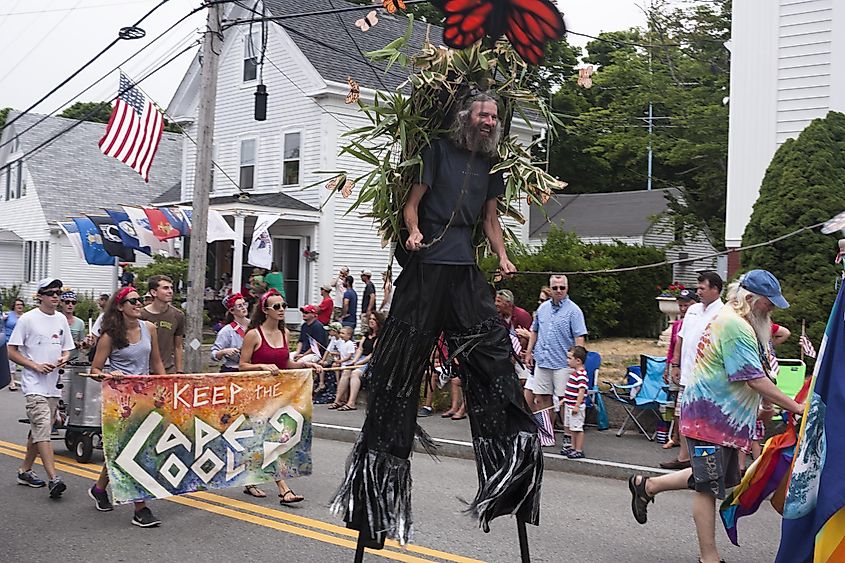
(266, 349)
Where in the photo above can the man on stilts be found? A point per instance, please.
(441, 289)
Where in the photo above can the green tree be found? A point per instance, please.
(175, 268)
(802, 186)
(4, 113)
(100, 112)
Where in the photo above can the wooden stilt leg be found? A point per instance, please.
(523, 541)
(359, 549)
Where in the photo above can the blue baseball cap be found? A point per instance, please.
(763, 282)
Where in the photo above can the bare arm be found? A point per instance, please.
(178, 352)
(676, 361)
(156, 365)
(769, 391)
(493, 232)
(579, 341)
(411, 215)
(102, 354)
(781, 336)
(16, 356)
(580, 400)
(529, 351)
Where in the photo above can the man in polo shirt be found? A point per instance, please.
(40, 343)
(313, 338)
(696, 320)
(558, 326)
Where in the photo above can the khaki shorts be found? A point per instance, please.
(550, 381)
(575, 422)
(41, 412)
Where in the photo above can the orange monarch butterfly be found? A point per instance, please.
(391, 5)
(528, 24)
(354, 91)
(367, 21)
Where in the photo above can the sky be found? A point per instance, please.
(44, 41)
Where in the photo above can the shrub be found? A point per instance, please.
(620, 304)
(175, 268)
(802, 186)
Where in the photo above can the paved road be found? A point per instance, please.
(583, 518)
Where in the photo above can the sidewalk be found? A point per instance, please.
(607, 455)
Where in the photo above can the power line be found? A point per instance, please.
(86, 65)
(13, 13)
(103, 77)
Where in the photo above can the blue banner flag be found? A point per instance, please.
(127, 231)
(92, 243)
(813, 528)
(177, 220)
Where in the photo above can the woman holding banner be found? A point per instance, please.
(130, 345)
(227, 347)
(266, 349)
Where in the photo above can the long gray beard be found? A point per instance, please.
(762, 325)
(471, 139)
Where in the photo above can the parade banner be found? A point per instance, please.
(175, 434)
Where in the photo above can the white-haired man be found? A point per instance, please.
(720, 403)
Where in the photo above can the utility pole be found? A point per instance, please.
(211, 48)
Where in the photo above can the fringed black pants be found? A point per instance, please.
(375, 496)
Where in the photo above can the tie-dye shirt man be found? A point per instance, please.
(717, 405)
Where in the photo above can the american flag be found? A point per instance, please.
(807, 346)
(134, 129)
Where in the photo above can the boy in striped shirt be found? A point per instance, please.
(573, 400)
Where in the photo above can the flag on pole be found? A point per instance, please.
(178, 219)
(144, 231)
(813, 527)
(160, 224)
(92, 243)
(807, 346)
(134, 129)
(126, 230)
(111, 238)
(218, 228)
(261, 249)
(72, 233)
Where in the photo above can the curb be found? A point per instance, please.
(464, 450)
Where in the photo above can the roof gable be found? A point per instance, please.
(615, 214)
(72, 177)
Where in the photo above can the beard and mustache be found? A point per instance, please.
(762, 325)
(481, 139)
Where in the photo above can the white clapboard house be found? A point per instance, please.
(787, 68)
(636, 218)
(69, 177)
(306, 65)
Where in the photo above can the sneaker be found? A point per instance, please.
(566, 450)
(101, 499)
(57, 487)
(425, 411)
(30, 479)
(144, 518)
(575, 454)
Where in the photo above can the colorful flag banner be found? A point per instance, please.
(72, 233)
(261, 249)
(160, 224)
(134, 129)
(92, 243)
(813, 527)
(178, 219)
(127, 231)
(175, 434)
(112, 241)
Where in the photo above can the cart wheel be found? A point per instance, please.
(84, 448)
(70, 440)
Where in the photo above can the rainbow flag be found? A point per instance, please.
(813, 527)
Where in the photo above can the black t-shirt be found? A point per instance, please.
(369, 292)
(316, 331)
(460, 183)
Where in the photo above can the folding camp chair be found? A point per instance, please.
(791, 374)
(644, 391)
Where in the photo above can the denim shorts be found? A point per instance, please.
(715, 469)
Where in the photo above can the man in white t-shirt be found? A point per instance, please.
(40, 343)
(696, 320)
(339, 284)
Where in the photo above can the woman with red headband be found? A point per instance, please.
(130, 345)
(266, 349)
(227, 347)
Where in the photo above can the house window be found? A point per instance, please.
(45, 258)
(290, 166)
(3, 174)
(28, 260)
(11, 181)
(20, 187)
(247, 176)
(252, 46)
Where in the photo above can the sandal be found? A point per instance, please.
(290, 497)
(335, 406)
(447, 414)
(456, 417)
(670, 444)
(347, 408)
(639, 498)
(254, 491)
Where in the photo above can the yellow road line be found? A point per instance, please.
(92, 470)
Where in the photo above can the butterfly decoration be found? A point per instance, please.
(354, 91)
(528, 24)
(367, 21)
(391, 5)
(585, 75)
(342, 183)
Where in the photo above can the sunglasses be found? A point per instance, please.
(51, 293)
(278, 306)
(133, 301)
(559, 287)
(69, 302)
